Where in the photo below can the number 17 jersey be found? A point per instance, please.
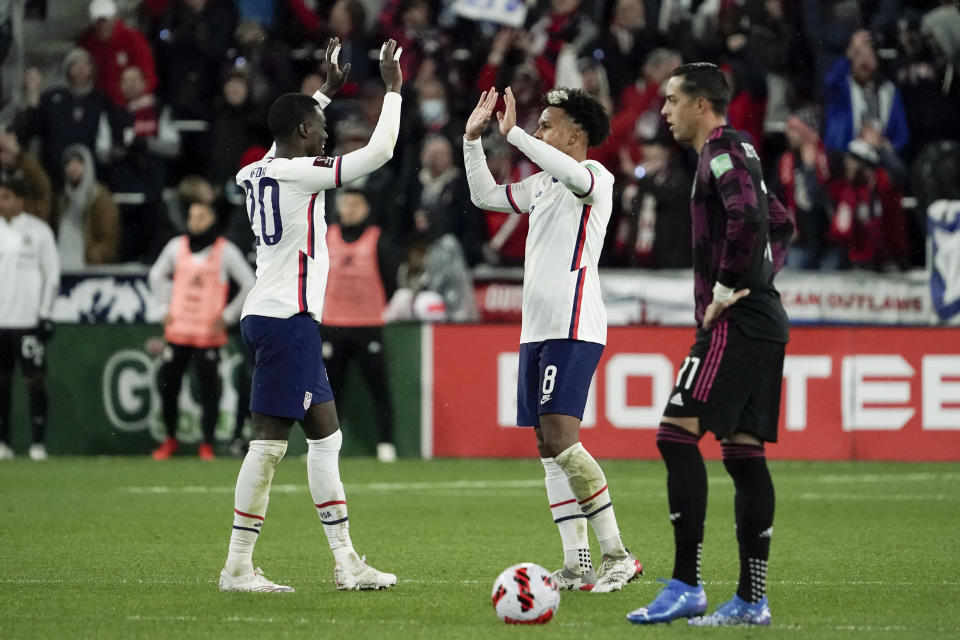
(286, 212)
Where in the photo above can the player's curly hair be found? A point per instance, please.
(583, 109)
(287, 112)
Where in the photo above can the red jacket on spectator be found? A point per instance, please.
(126, 47)
(869, 221)
(788, 179)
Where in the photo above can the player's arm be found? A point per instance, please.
(334, 80)
(782, 226)
(580, 180)
(485, 193)
(162, 271)
(315, 174)
(739, 196)
(50, 268)
(240, 272)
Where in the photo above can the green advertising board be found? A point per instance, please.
(103, 397)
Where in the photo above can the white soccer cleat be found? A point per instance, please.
(254, 581)
(569, 580)
(362, 577)
(6, 453)
(615, 573)
(38, 452)
(386, 452)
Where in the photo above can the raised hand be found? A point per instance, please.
(481, 114)
(390, 65)
(508, 117)
(335, 76)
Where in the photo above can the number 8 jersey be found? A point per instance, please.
(285, 207)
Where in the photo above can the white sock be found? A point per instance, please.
(250, 501)
(589, 485)
(569, 519)
(323, 474)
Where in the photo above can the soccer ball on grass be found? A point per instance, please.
(525, 594)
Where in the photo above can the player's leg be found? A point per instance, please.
(324, 440)
(8, 351)
(744, 457)
(337, 353)
(678, 442)
(577, 570)
(373, 366)
(175, 358)
(243, 376)
(33, 365)
(566, 368)
(207, 368)
(278, 399)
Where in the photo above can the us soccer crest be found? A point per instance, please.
(307, 397)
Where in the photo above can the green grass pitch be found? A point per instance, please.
(132, 548)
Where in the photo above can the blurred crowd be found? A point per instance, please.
(852, 104)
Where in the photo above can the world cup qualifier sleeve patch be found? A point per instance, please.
(721, 164)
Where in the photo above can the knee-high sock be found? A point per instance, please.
(753, 508)
(323, 474)
(6, 382)
(250, 501)
(589, 486)
(566, 513)
(687, 497)
(37, 389)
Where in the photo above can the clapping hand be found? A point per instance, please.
(335, 76)
(481, 114)
(390, 66)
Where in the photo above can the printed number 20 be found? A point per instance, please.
(255, 203)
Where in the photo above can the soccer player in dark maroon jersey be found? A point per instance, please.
(730, 383)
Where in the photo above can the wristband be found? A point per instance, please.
(721, 293)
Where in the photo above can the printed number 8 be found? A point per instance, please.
(549, 379)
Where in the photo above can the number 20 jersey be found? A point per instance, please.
(285, 207)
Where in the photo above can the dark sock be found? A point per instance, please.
(5, 401)
(38, 410)
(687, 496)
(753, 508)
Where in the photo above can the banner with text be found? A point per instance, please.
(848, 394)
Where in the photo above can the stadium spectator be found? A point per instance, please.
(411, 23)
(62, 116)
(654, 228)
(85, 219)
(266, 61)
(439, 197)
(564, 25)
(928, 83)
(803, 173)
(857, 93)
(624, 44)
(236, 125)
(379, 187)
(868, 220)
(16, 162)
(114, 46)
(201, 264)
(31, 277)
(347, 21)
(191, 41)
(362, 278)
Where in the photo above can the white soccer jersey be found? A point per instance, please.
(286, 212)
(569, 203)
(29, 271)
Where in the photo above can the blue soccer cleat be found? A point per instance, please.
(736, 612)
(677, 600)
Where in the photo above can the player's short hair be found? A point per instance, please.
(287, 113)
(583, 109)
(705, 80)
(16, 185)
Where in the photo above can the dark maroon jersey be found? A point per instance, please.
(740, 235)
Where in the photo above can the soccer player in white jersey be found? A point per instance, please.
(564, 325)
(29, 279)
(280, 316)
